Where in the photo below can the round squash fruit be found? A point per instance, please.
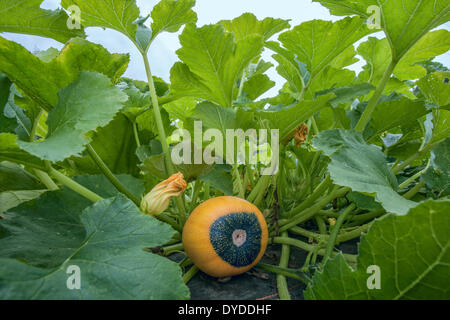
(225, 236)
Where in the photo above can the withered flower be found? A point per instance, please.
(301, 134)
(158, 199)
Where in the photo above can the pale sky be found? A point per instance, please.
(162, 54)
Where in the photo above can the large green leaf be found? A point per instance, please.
(14, 177)
(42, 81)
(116, 145)
(248, 24)
(212, 63)
(86, 104)
(437, 176)
(397, 112)
(441, 126)
(171, 15)
(16, 186)
(10, 151)
(119, 15)
(104, 241)
(412, 253)
(362, 167)
(286, 119)
(436, 88)
(217, 117)
(11, 199)
(429, 46)
(318, 43)
(27, 17)
(348, 93)
(7, 124)
(404, 22)
(257, 85)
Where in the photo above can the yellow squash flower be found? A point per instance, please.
(158, 199)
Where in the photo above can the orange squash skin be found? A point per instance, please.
(197, 241)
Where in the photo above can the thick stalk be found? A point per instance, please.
(261, 186)
(335, 231)
(110, 176)
(46, 180)
(367, 114)
(88, 194)
(190, 274)
(283, 290)
(319, 191)
(310, 212)
(287, 272)
(413, 158)
(136, 134)
(308, 247)
(173, 248)
(345, 236)
(162, 133)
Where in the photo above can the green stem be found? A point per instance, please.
(111, 177)
(88, 194)
(411, 193)
(287, 272)
(173, 248)
(319, 191)
(261, 186)
(136, 134)
(413, 158)
(283, 290)
(162, 134)
(310, 212)
(335, 231)
(321, 224)
(197, 187)
(367, 114)
(241, 84)
(345, 236)
(190, 274)
(46, 180)
(238, 181)
(170, 222)
(414, 177)
(308, 247)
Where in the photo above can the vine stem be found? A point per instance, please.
(136, 134)
(162, 134)
(413, 158)
(414, 177)
(335, 232)
(173, 248)
(46, 180)
(367, 114)
(261, 186)
(190, 274)
(88, 194)
(111, 177)
(320, 189)
(287, 272)
(282, 286)
(311, 211)
(308, 247)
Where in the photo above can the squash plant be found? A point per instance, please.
(361, 155)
